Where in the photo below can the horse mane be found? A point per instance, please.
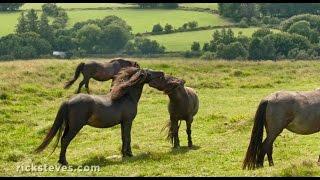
(174, 83)
(126, 78)
(125, 62)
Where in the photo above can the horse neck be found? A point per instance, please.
(135, 92)
(177, 95)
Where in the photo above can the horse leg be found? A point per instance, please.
(80, 85)
(68, 135)
(188, 122)
(126, 139)
(319, 161)
(175, 133)
(87, 86)
(267, 145)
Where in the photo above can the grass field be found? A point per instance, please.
(229, 92)
(213, 6)
(140, 20)
(183, 41)
(37, 6)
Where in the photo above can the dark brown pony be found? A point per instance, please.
(117, 107)
(183, 105)
(100, 71)
(299, 112)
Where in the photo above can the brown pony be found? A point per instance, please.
(117, 107)
(100, 71)
(299, 112)
(183, 105)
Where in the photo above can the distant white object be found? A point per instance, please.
(62, 54)
(59, 53)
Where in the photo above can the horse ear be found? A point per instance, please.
(183, 82)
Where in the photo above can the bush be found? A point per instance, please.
(262, 32)
(147, 46)
(170, 5)
(50, 9)
(206, 47)
(301, 27)
(6, 57)
(243, 23)
(191, 54)
(208, 56)
(234, 50)
(193, 24)
(157, 28)
(195, 46)
(130, 48)
(168, 28)
(314, 21)
(254, 22)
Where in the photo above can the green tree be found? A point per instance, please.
(157, 28)
(193, 24)
(300, 27)
(170, 5)
(195, 46)
(168, 28)
(232, 51)
(147, 46)
(45, 30)
(261, 32)
(113, 38)
(88, 36)
(21, 27)
(32, 21)
(50, 9)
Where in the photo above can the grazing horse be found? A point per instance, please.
(100, 71)
(183, 105)
(299, 112)
(119, 106)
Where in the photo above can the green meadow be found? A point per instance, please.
(213, 6)
(141, 20)
(229, 92)
(183, 41)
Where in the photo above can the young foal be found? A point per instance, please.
(183, 105)
(100, 71)
(117, 107)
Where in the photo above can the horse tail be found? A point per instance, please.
(76, 75)
(254, 149)
(62, 116)
(170, 133)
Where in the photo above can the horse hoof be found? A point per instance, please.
(190, 145)
(64, 163)
(271, 164)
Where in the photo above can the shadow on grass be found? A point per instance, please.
(183, 149)
(102, 161)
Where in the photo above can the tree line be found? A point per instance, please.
(36, 37)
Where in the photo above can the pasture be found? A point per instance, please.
(213, 6)
(141, 20)
(183, 41)
(229, 92)
(37, 6)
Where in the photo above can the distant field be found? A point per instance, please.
(76, 5)
(213, 6)
(140, 20)
(183, 41)
(143, 20)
